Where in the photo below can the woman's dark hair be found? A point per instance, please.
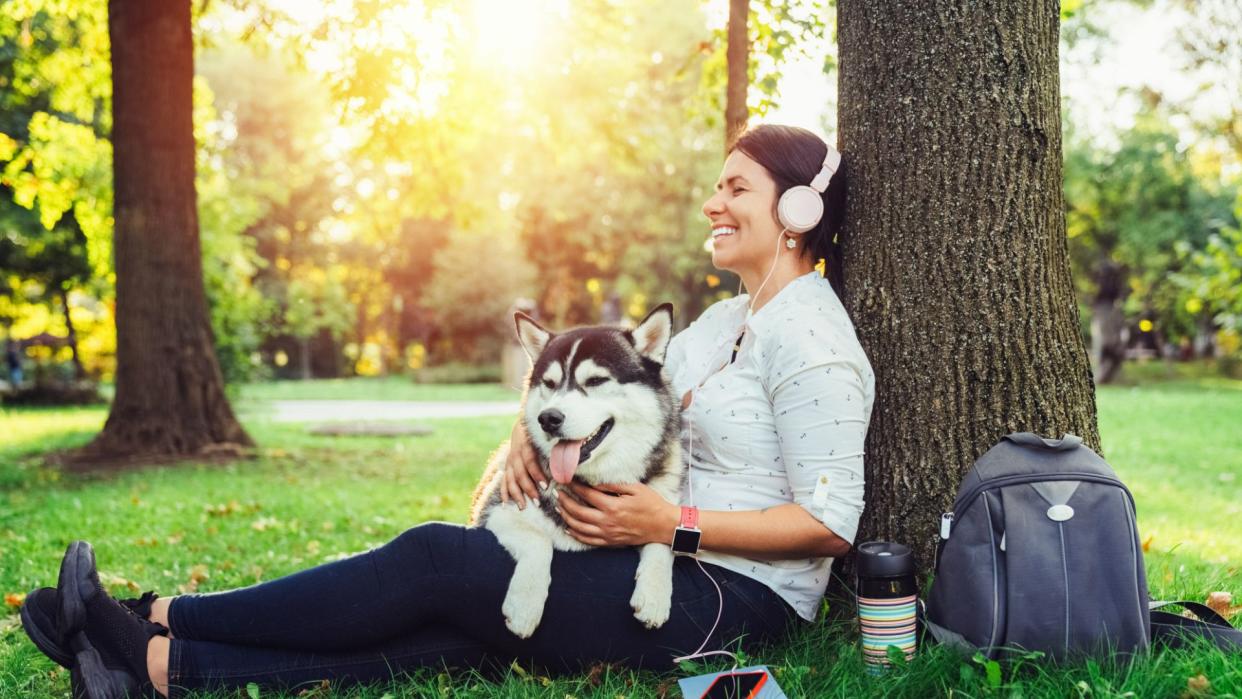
(793, 156)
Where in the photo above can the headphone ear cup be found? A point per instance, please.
(800, 209)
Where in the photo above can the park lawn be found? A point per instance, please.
(307, 499)
(374, 388)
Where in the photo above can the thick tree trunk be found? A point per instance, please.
(737, 57)
(170, 399)
(956, 264)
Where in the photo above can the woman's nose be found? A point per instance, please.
(715, 205)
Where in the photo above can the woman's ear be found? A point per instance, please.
(652, 335)
(532, 335)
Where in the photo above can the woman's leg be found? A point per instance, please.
(411, 581)
(448, 580)
(202, 665)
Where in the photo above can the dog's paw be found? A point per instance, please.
(522, 616)
(652, 601)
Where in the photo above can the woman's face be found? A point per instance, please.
(743, 226)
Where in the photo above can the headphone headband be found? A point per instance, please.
(832, 163)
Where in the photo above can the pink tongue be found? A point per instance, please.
(564, 460)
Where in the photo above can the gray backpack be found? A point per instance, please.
(1040, 552)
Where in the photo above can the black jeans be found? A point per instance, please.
(431, 597)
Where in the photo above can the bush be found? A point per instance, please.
(56, 393)
(457, 372)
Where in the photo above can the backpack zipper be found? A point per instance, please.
(969, 496)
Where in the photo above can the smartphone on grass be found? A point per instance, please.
(736, 685)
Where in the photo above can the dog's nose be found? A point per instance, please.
(551, 420)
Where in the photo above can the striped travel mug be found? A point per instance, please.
(887, 601)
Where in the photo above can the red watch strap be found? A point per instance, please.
(689, 517)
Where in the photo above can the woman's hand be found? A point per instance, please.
(522, 470)
(618, 514)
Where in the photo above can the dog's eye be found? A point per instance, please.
(549, 383)
(596, 381)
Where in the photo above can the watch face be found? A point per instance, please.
(686, 540)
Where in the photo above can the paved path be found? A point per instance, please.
(330, 410)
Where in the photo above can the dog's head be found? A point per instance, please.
(597, 404)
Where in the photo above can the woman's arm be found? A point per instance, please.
(634, 514)
(774, 533)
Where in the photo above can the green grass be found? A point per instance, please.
(377, 388)
(307, 499)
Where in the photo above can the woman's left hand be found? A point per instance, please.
(617, 514)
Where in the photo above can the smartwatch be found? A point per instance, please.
(687, 534)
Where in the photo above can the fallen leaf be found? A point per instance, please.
(14, 599)
(1220, 602)
(1147, 543)
(262, 524)
(1198, 686)
(318, 690)
(198, 574)
(118, 581)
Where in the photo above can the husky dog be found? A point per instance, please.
(597, 408)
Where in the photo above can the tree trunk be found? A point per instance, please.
(304, 351)
(737, 57)
(956, 263)
(170, 399)
(72, 339)
(1108, 322)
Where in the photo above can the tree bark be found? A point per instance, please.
(737, 58)
(955, 257)
(170, 399)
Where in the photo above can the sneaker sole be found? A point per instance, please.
(41, 629)
(90, 679)
(74, 585)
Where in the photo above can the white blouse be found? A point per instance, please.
(785, 422)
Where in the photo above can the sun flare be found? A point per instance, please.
(513, 34)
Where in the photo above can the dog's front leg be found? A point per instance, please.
(653, 587)
(532, 576)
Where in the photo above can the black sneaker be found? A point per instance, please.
(107, 640)
(39, 612)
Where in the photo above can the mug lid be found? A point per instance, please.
(884, 559)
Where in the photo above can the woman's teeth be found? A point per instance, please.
(722, 231)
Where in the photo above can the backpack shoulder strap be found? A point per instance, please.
(1174, 630)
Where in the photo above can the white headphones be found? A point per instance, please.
(801, 207)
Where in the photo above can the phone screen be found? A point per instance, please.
(738, 685)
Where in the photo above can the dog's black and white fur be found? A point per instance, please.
(597, 393)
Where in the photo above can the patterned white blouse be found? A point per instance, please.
(785, 422)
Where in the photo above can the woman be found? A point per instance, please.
(777, 398)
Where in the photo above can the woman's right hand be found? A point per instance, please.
(522, 470)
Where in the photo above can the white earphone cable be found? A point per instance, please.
(699, 653)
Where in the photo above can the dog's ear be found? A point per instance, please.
(532, 335)
(652, 335)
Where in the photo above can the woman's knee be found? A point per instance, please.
(428, 538)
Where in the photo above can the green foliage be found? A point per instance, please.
(55, 89)
(778, 32)
(1132, 206)
(1214, 275)
(475, 281)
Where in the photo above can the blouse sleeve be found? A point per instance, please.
(819, 400)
